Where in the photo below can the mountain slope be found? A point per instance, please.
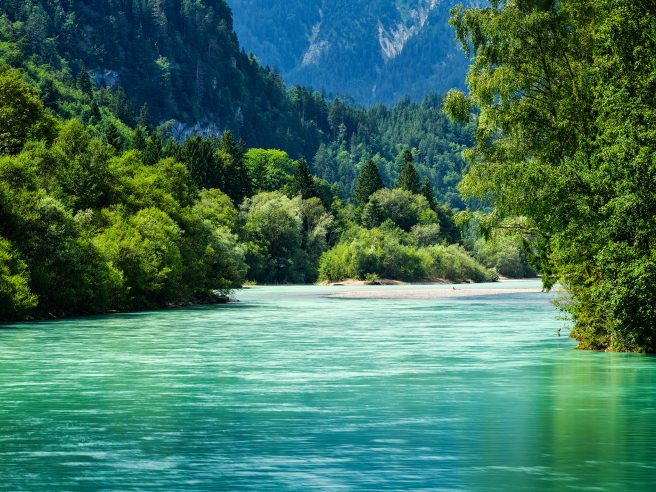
(370, 50)
(183, 60)
(181, 57)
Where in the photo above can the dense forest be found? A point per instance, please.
(566, 150)
(92, 223)
(182, 61)
(107, 204)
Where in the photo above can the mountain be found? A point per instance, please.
(105, 61)
(370, 50)
(180, 57)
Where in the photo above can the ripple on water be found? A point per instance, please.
(293, 390)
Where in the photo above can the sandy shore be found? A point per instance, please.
(428, 292)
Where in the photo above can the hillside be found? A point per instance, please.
(183, 61)
(181, 58)
(373, 51)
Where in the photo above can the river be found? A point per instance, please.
(293, 390)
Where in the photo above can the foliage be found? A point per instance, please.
(507, 254)
(20, 110)
(388, 252)
(125, 210)
(565, 138)
(384, 134)
(368, 182)
(399, 206)
(15, 295)
(269, 170)
(408, 178)
(284, 236)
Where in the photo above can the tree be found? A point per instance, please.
(368, 182)
(269, 169)
(144, 119)
(409, 178)
(565, 142)
(16, 299)
(20, 110)
(140, 138)
(145, 248)
(112, 135)
(273, 230)
(427, 192)
(304, 181)
(84, 82)
(200, 156)
(399, 206)
(237, 183)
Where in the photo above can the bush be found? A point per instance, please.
(16, 299)
(389, 253)
(400, 206)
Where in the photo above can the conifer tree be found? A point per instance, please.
(237, 182)
(368, 182)
(144, 119)
(84, 82)
(140, 138)
(409, 178)
(427, 192)
(95, 115)
(112, 136)
(304, 181)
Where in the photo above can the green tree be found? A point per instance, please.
(145, 248)
(564, 141)
(16, 299)
(237, 183)
(303, 183)
(273, 231)
(368, 182)
(112, 135)
(409, 178)
(144, 120)
(20, 110)
(269, 169)
(84, 82)
(427, 192)
(399, 206)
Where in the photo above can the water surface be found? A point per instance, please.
(291, 390)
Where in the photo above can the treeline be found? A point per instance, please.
(92, 222)
(566, 150)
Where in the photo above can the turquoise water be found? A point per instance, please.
(290, 390)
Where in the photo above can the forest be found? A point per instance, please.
(151, 222)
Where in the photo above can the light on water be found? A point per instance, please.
(293, 390)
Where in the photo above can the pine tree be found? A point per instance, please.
(368, 182)
(144, 117)
(409, 178)
(304, 181)
(237, 182)
(112, 136)
(140, 138)
(84, 82)
(95, 115)
(448, 227)
(427, 192)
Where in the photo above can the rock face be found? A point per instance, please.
(370, 50)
